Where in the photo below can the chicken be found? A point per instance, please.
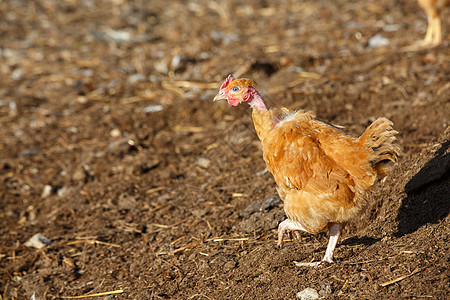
(322, 173)
(432, 8)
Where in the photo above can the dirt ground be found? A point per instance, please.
(111, 148)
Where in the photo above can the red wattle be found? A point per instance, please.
(233, 102)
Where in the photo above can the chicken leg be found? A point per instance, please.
(335, 232)
(288, 226)
(291, 226)
(433, 37)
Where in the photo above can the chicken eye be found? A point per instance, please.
(235, 89)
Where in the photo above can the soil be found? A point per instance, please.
(111, 148)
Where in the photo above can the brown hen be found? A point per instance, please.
(322, 173)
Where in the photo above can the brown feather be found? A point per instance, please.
(241, 82)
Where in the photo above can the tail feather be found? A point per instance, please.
(379, 139)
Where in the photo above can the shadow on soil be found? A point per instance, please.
(428, 194)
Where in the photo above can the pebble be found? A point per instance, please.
(118, 36)
(378, 41)
(17, 74)
(308, 294)
(203, 162)
(136, 78)
(46, 191)
(153, 108)
(38, 241)
(115, 132)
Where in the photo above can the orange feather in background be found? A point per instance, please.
(322, 173)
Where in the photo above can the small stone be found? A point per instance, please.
(38, 241)
(17, 74)
(308, 294)
(153, 108)
(135, 78)
(378, 41)
(161, 67)
(82, 99)
(115, 132)
(62, 191)
(203, 162)
(118, 36)
(46, 191)
(177, 61)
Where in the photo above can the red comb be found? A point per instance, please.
(230, 78)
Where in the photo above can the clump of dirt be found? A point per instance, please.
(112, 149)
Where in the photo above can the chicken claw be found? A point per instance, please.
(335, 232)
(311, 264)
(288, 226)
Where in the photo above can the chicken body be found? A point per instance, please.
(322, 173)
(432, 8)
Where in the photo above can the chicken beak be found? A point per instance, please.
(220, 96)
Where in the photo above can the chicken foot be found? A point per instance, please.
(288, 226)
(433, 37)
(335, 232)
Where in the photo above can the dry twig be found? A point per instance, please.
(92, 242)
(93, 295)
(417, 270)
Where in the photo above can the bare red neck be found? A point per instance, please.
(256, 100)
